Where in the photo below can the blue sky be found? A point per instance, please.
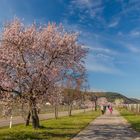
(109, 28)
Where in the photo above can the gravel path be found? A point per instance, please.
(108, 127)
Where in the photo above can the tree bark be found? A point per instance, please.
(56, 111)
(35, 118)
(34, 114)
(28, 119)
(70, 109)
(95, 105)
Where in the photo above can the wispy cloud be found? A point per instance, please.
(99, 49)
(101, 63)
(71, 27)
(130, 41)
(86, 4)
(135, 33)
(113, 24)
(92, 9)
(133, 48)
(96, 67)
(132, 34)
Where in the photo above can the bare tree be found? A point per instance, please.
(55, 97)
(94, 99)
(72, 93)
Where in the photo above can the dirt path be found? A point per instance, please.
(19, 119)
(108, 127)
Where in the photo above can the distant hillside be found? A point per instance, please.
(135, 100)
(111, 96)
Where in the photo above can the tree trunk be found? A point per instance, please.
(35, 118)
(28, 119)
(56, 111)
(95, 105)
(70, 110)
(34, 114)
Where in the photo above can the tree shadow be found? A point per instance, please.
(105, 132)
(38, 135)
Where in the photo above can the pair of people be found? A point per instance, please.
(104, 107)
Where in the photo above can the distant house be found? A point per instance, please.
(47, 103)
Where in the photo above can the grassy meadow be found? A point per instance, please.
(63, 128)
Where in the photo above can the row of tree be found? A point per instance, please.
(37, 63)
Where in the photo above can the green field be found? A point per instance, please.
(132, 118)
(63, 128)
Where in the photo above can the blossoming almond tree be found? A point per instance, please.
(33, 59)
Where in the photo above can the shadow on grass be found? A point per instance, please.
(136, 126)
(60, 129)
(42, 127)
(44, 132)
(130, 115)
(38, 136)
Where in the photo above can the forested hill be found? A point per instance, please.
(111, 96)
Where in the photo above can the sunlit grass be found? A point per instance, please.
(63, 128)
(132, 118)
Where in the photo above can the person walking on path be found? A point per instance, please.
(102, 109)
(110, 109)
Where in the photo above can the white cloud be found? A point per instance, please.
(98, 68)
(91, 8)
(86, 3)
(132, 48)
(102, 68)
(102, 59)
(135, 33)
(131, 6)
(72, 27)
(113, 24)
(99, 49)
(102, 63)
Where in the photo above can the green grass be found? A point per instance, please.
(132, 118)
(63, 128)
